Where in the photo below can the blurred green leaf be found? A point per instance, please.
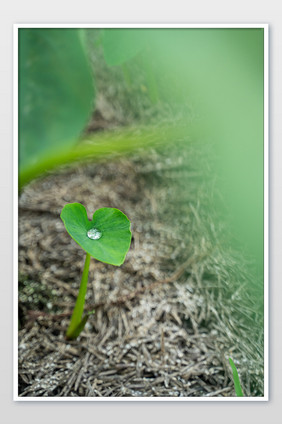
(109, 144)
(55, 91)
(121, 45)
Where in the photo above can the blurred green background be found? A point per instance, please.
(200, 85)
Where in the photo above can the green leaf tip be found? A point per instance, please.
(237, 385)
(106, 238)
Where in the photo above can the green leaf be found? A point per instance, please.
(111, 223)
(238, 389)
(55, 91)
(121, 45)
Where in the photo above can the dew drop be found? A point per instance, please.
(94, 234)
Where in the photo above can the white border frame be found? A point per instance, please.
(265, 27)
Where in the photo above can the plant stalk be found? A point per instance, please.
(79, 305)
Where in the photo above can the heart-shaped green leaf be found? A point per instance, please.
(110, 237)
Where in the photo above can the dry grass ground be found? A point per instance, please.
(167, 320)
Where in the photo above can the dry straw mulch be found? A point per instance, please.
(167, 320)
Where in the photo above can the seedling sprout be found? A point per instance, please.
(106, 238)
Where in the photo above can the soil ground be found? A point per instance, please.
(167, 320)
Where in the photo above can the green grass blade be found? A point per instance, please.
(237, 385)
(99, 146)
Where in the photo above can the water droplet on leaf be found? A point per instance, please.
(94, 234)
